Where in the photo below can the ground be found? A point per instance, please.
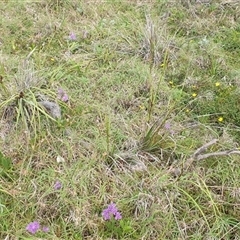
(132, 103)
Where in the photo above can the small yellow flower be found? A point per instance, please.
(52, 59)
(162, 65)
(220, 119)
(141, 107)
(170, 82)
(217, 84)
(187, 110)
(194, 94)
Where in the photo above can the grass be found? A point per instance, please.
(149, 86)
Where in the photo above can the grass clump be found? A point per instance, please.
(119, 120)
(26, 102)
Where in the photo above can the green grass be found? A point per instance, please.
(148, 85)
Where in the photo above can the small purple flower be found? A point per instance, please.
(65, 97)
(62, 95)
(57, 185)
(118, 216)
(110, 211)
(33, 227)
(72, 36)
(45, 229)
(106, 214)
(167, 125)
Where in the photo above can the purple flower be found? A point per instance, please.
(62, 95)
(118, 216)
(45, 229)
(65, 97)
(33, 227)
(72, 36)
(167, 125)
(57, 185)
(110, 211)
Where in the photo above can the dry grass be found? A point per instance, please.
(131, 122)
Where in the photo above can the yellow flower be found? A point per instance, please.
(220, 119)
(170, 82)
(194, 94)
(187, 110)
(217, 84)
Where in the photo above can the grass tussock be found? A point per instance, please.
(119, 120)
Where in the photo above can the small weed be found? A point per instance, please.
(5, 165)
(29, 105)
(157, 138)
